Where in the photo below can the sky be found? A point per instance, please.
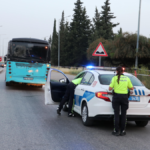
(35, 18)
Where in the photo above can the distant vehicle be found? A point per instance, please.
(28, 61)
(2, 64)
(5, 59)
(93, 100)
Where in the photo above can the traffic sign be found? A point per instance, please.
(0, 58)
(100, 51)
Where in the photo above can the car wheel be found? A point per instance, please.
(141, 123)
(85, 119)
(65, 108)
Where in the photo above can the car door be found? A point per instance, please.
(80, 90)
(55, 86)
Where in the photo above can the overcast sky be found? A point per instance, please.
(35, 18)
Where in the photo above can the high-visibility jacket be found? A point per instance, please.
(122, 87)
(77, 81)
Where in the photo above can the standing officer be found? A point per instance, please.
(69, 96)
(121, 84)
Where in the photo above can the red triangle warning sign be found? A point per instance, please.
(100, 51)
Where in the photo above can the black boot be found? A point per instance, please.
(58, 112)
(123, 133)
(116, 133)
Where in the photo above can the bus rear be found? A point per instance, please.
(28, 61)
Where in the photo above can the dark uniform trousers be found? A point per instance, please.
(120, 101)
(69, 96)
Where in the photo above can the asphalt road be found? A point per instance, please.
(27, 124)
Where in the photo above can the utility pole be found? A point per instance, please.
(137, 45)
(59, 44)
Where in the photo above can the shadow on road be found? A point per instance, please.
(23, 87)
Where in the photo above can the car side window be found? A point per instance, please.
(91, 80)
(57, 76)
(86, 78)
(80, 76)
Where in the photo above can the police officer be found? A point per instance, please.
(120, 83)
(69, 96)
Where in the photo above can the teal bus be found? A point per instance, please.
(28, 61)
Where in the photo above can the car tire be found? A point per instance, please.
(141, 123)
(84, 113)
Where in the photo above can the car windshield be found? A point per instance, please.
(105, 79)
(29, 51)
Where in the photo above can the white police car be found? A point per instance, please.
(93, 99)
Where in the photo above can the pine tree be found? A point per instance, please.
(62, 38)
(97, 27)
(67, 44)
(50, 40)
(106, 17)
(54, 47)
(79, 35)
(120, 31)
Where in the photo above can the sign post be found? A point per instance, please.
(100, 51)
(99, 60)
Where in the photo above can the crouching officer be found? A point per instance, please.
(69, 96)
(120, 83)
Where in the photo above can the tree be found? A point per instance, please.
(120, 31)
(106, 17)
(54, 47)
(122, 50)
(62, 39)
(50, 40)
(66, 51)
(97, 27)
(79, 35)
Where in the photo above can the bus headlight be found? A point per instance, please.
(30, 71)
(37, 70)
(47, 65)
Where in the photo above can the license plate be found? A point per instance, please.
(134, 98)
(28, 78)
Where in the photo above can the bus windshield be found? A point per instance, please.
(29, 51)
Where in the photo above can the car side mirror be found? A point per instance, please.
(62, 80)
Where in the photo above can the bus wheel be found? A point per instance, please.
(40, 86)
(7, 83)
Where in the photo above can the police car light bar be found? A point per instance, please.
(101, 68)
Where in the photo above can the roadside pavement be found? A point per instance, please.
(1, 70)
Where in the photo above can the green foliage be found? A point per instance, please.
(78, 36)
(122, 50)
(62, 39)
(54, 47)
(50, 40)
(107, 25)
(97, 29)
